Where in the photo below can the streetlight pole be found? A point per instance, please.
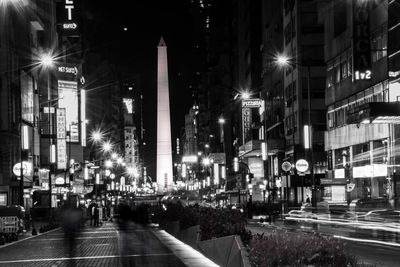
(283, 60)
(310, 141)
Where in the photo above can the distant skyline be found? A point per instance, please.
(127, 35)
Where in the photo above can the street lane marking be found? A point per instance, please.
(89, 258)
(88, 237)
(371, 241)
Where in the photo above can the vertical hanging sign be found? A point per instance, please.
(361, 41)
(61, 141)
(246, 123)
(67, 17)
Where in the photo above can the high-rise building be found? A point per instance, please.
(26, 30)
(361, 98)
(304, 95)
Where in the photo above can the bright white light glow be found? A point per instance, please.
(108, 164)
(53, 154)
(191, 158)
(282, 60)
(96, 136)
(221, 120)
(245, 95)
(120, 161)
(107, 146)
(307, 136)
(114, 155)
(206, 161)
(25, 137)
(46, 60)
(264, 151)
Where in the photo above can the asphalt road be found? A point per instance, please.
(109, 245)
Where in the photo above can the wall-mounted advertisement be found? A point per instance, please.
(129, 144)
(27, 97)
(361, 40)
(256, 167)
(68, 99)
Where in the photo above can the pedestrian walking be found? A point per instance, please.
(96, 215)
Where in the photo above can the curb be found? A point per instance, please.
(188, 255)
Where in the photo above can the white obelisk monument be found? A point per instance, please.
(164, 147)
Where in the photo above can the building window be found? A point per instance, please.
(337, 114)
(361, 155)
(329, 75)
(379, 44)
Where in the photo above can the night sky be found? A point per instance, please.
(135, 50)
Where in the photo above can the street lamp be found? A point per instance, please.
(107, 146)
(47, 62)
(284, 61)
(96, 136)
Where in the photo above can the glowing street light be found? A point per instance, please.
(282, 60)
(96, 136)
(46, 60)
(245, 95)
(120, 161)
(114, 155)
(108, 164)
(107, 146)
(206, 161)
(221, 120)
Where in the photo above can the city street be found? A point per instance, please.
(109, 245)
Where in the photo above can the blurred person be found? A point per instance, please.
(71, 222)
(96, 215)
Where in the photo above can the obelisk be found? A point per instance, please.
(164, 147)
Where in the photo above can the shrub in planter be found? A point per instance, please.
(298, 249)
(213, 223)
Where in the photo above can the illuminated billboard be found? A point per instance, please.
(27, 97)
(68, 99)
(61, 141)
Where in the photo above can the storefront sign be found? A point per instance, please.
(370, 171)
(361, 40)
(286, 166)
(61, 139)
(68, 99)
(252, 103)
(3, 199)
(256, 166)
(246, 124)
(301, 165)
(17, 168)
(67, 18)
(26, 97)
(218, 158)
(60, 181)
